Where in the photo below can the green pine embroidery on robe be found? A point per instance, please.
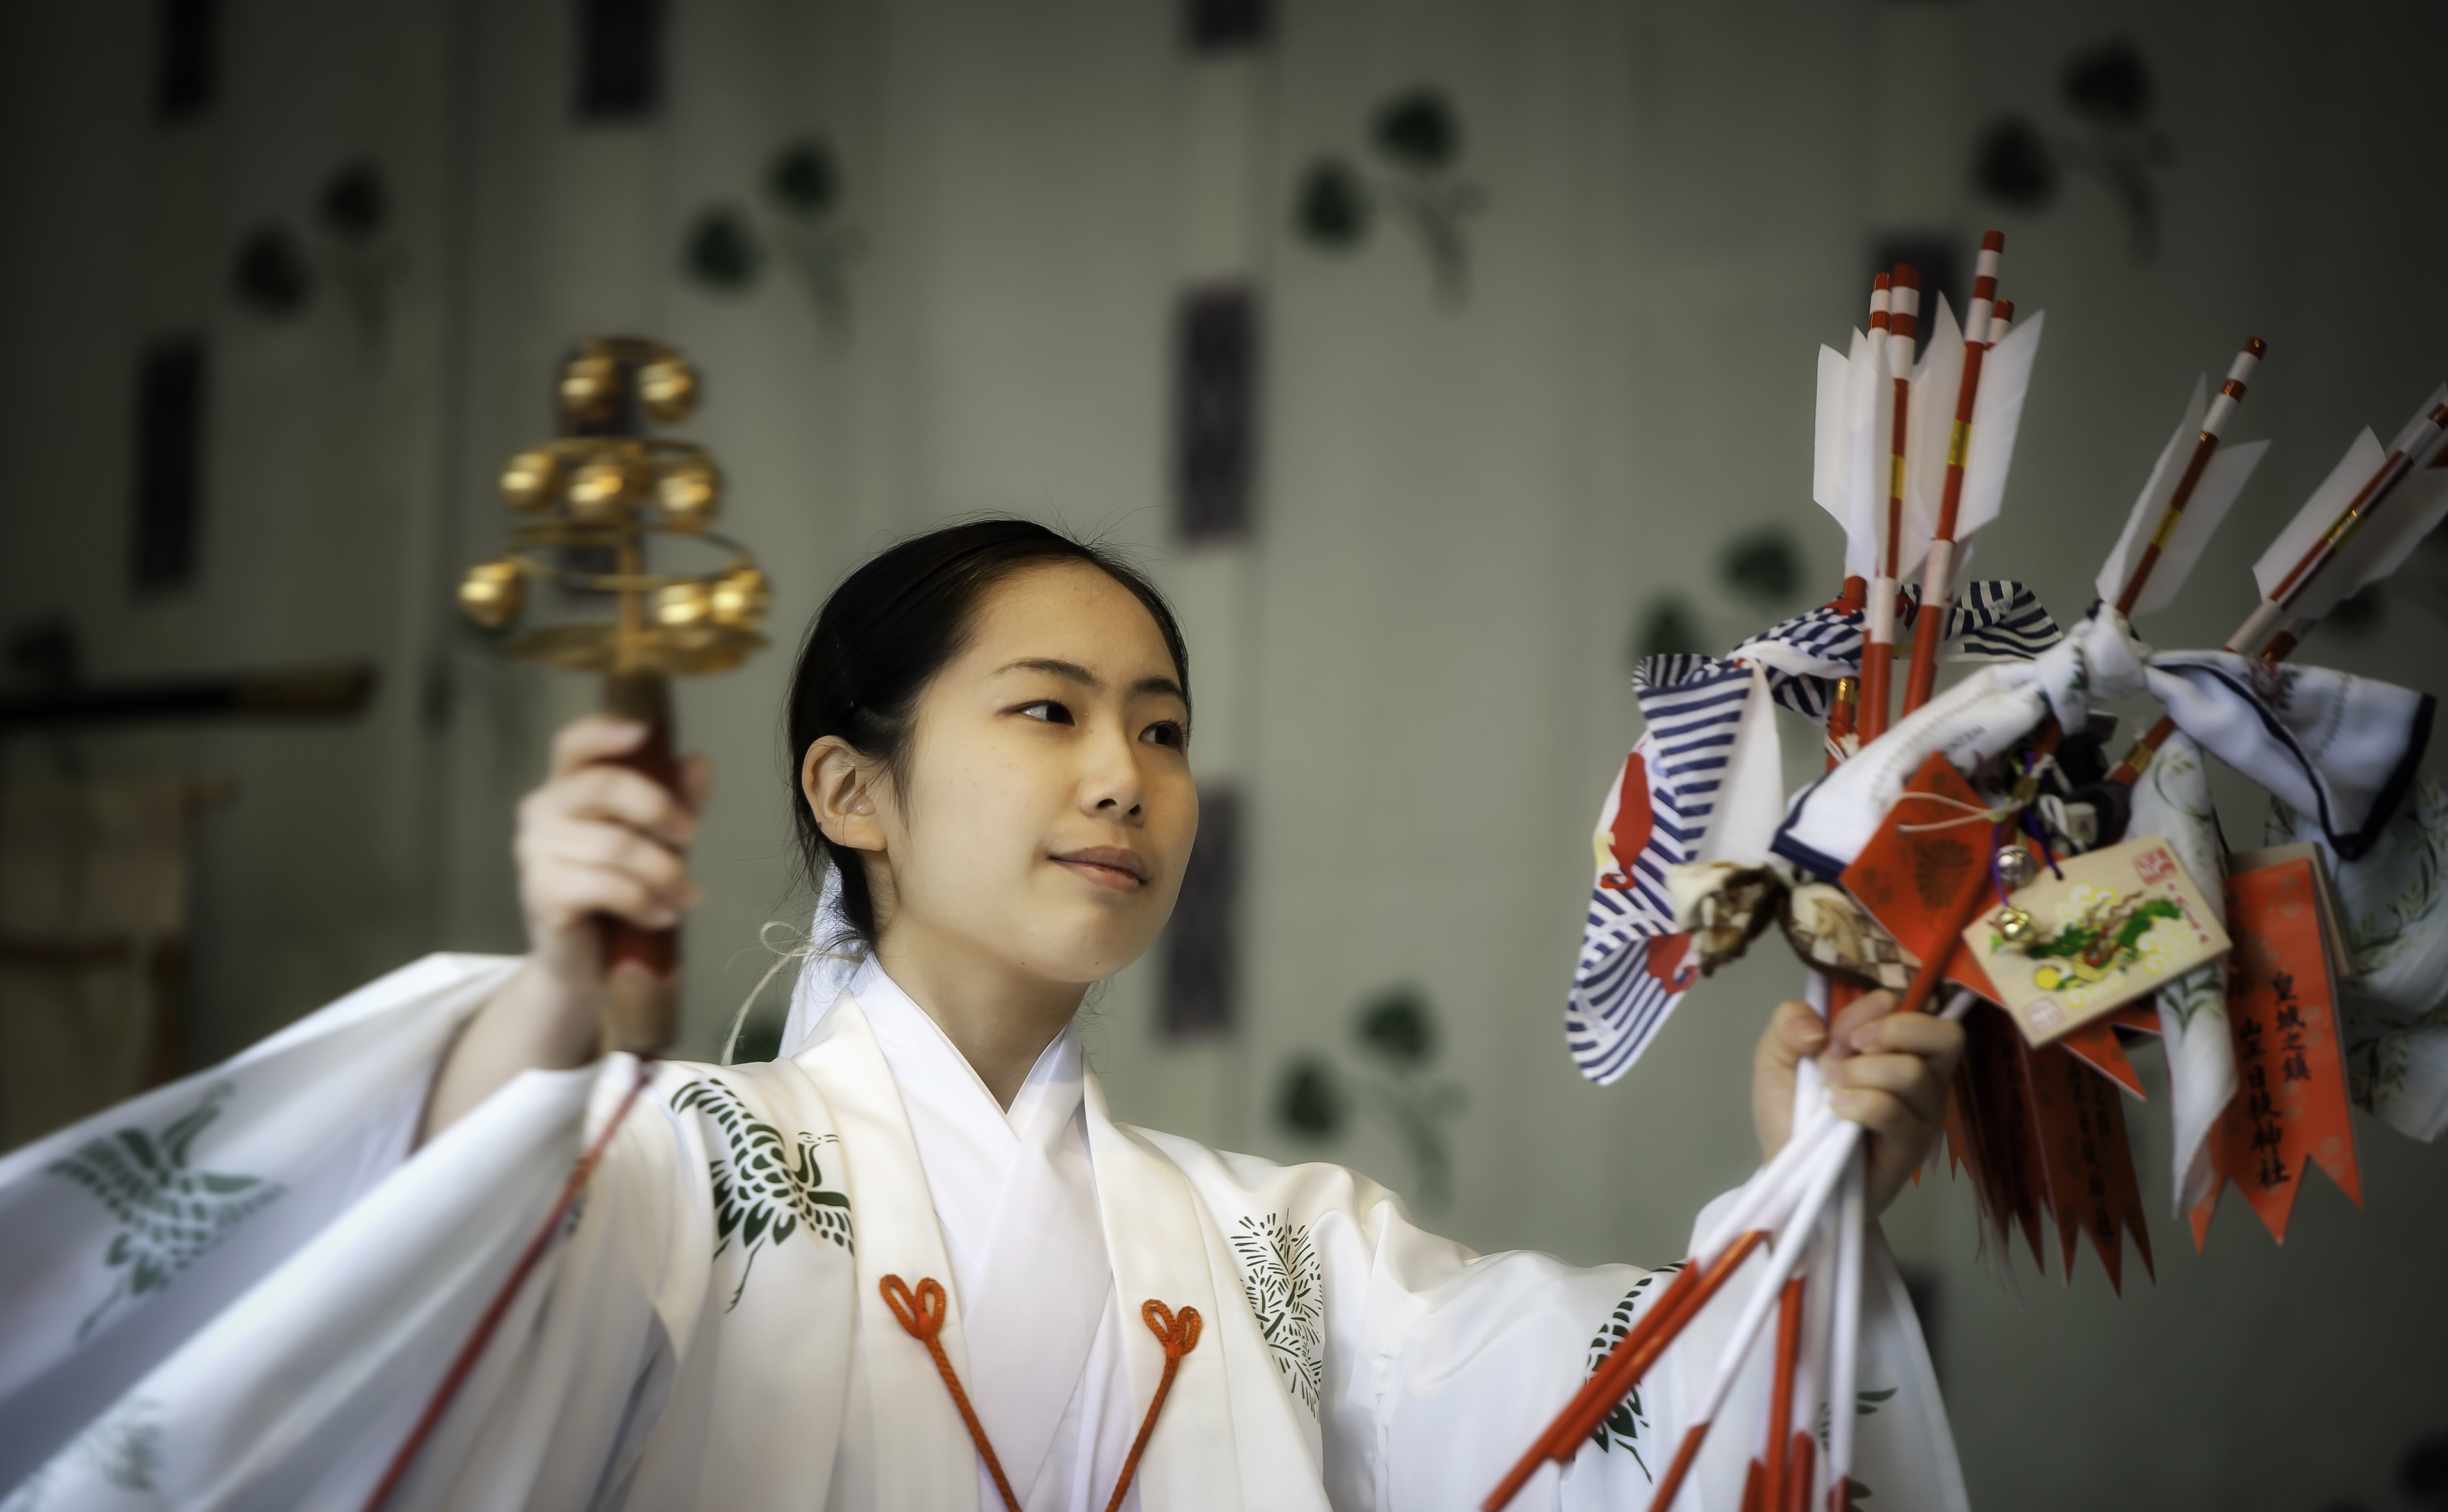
(767, 1189)
(1286, 1291)
(124, 1446)
(1866, 1403)
(168, 1215)
(1620, 1428)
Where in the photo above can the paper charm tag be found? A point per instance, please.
(2113, 927)
(2088, 1161)
(2289, 1112)
(2333, 929)
(1912, 876)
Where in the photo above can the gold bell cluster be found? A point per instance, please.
(592, 499)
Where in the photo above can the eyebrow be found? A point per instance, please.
(1073, 672)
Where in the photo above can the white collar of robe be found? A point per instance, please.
(1016, 1194)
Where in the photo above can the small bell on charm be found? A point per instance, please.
(2014, 925)
(2016, 868)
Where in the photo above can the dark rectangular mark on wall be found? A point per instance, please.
(1202, 989)
(171, 394)
(1212, 27)
(1215, 413)
(187, 58)
(619, 60)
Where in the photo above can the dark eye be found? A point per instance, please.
(1049, 711)
(1166, 732)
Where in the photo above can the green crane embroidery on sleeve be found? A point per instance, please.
(169, 1215)
(767, 1190)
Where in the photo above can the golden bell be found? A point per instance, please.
(669, 388)
(688, 493)
(739, 600)
(603, 490)
(492, 593)
(531, 480)
(682, 607)
(590, 387)
(2015, 925)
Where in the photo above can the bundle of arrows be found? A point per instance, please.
(1975, 851)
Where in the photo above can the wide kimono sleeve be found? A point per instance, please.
(242, 1290)
(1427, 1369)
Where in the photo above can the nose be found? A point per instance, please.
(1112, 787)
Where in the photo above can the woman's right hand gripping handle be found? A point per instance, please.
(593, 840)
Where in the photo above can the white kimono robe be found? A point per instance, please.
(242, 1290)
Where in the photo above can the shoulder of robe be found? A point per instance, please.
(1252, 1199)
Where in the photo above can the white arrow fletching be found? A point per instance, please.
(1843, 468)
(1871, 396)
(2320, 511)
(2229, 469)
(2143, 522)
(1996, 417)
(1829, 434)
(1932, 422)
(2413, 511)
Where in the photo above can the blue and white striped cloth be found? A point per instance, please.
(1999, 620)
(1630, 974)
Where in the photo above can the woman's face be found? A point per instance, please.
(1048, 809)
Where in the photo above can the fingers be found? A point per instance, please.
(564, 894)
(1888, 1072)
(584, 741)
(1874, 1007)
(547, 840)
(598, 839)
(615, 794)
(1908, 1078)
(1933, 1038)
(1793, 1033)
(584, 842)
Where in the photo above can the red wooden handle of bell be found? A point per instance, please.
(657, 951)
(643, 1015)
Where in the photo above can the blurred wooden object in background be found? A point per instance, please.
(93, 943)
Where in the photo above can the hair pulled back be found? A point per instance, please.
(886, 632)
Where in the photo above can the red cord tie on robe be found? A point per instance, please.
(920, 1315)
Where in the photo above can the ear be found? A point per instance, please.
(840, 786)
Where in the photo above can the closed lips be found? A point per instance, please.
(1108, 866)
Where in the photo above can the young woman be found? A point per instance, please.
(913, 1264)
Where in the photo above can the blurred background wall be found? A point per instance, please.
(1437, 357)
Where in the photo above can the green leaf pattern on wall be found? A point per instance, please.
(1413, 179)
(277, 269)
(799, 219)
(1396, 1030)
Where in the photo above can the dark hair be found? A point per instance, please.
(886, 632)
